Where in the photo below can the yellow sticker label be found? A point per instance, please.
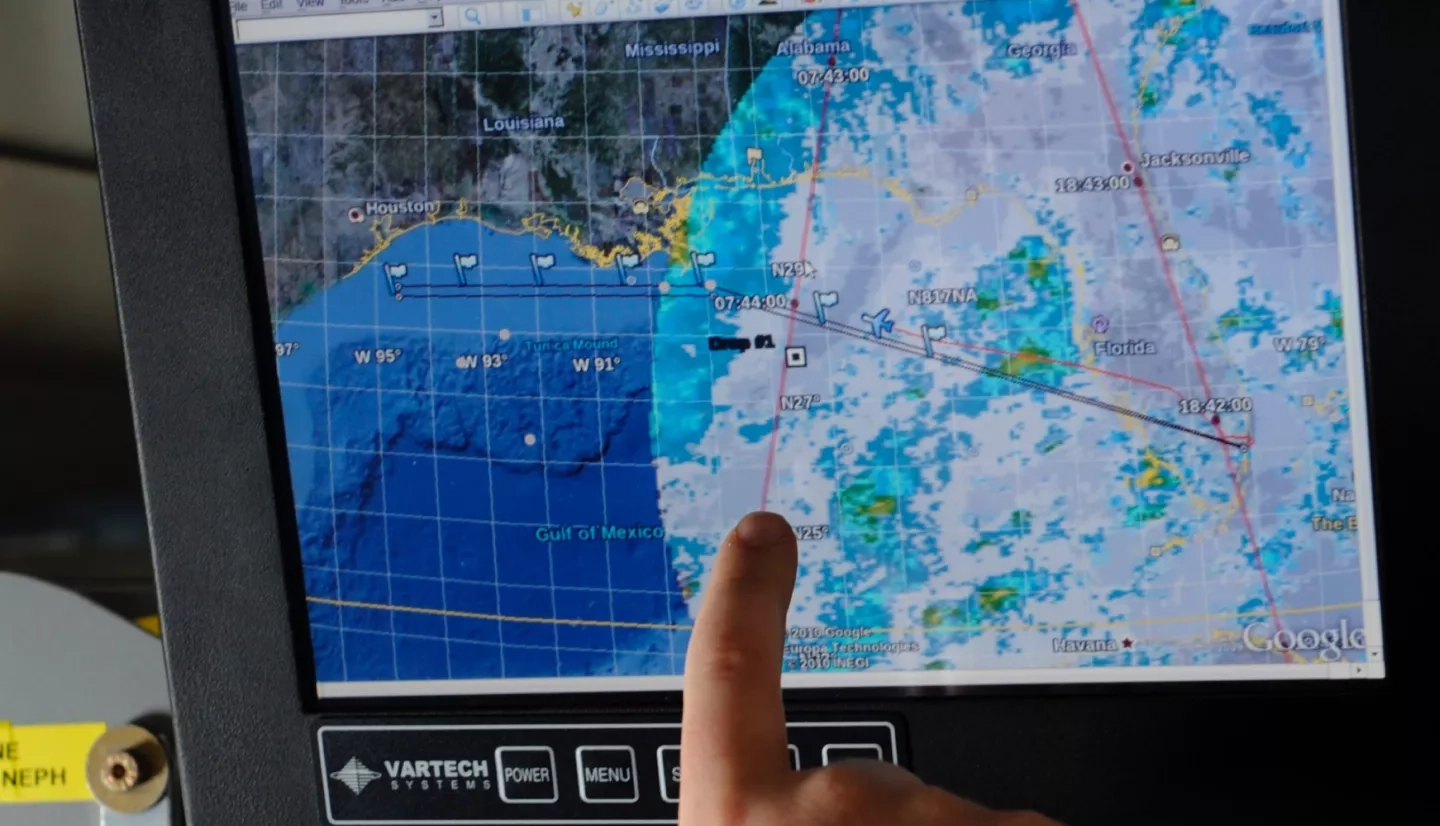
(45, 764)
(150, 623)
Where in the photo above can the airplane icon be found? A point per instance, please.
(880, 323)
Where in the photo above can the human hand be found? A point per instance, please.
(733, 744)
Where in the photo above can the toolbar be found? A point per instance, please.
(277, 20)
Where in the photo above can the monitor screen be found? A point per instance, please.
(1039, 320)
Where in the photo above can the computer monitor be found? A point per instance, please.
(1041, 322)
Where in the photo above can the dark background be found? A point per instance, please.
(71, 509)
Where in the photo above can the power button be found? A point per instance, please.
(527, 774)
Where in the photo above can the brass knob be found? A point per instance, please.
(127, 770)
(120, 772)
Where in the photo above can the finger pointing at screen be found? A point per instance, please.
(736, 769)
(734, 722)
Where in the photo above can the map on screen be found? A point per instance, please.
(1032, 318)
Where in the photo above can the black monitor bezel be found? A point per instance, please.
(198, 344)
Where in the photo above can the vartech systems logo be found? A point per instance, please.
(418, 775)
(355, 775)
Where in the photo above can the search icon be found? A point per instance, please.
(472, 16)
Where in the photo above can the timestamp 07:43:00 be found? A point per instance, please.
(825, 76)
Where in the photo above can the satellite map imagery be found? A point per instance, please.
(1031, 316)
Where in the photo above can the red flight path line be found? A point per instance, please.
(795, 294)
(1179, 308)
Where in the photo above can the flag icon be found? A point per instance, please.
(463, 263)
(698, 262)
(623, 263)
(538, 263)
(823, 300)
(932, 335)
(393, 274)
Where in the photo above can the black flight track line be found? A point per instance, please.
(549, 291)
(856, 333)
(431, 289)
(530, 285)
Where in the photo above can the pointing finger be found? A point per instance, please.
(733, 735)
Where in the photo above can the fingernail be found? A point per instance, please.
(761, 528)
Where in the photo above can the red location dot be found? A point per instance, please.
(832, 60)
(1215, 420)
(794, 302)
(1139, 182)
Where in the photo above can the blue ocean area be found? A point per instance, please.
(450, 459)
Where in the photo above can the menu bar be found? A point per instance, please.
(266, 8)
(259, 21)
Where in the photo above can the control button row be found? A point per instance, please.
(527, 774)
(607, 773)
(668, 758)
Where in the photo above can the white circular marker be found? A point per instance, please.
(530, 439)
(641, 207)
(710, 284)
(356, 215)
(505, 334)
(629, 279)
(1127, 168)
(663, 287)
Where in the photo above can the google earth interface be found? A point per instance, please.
(1037, 319)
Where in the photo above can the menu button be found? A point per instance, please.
(607, 774)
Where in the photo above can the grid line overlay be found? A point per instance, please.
(452, 581)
